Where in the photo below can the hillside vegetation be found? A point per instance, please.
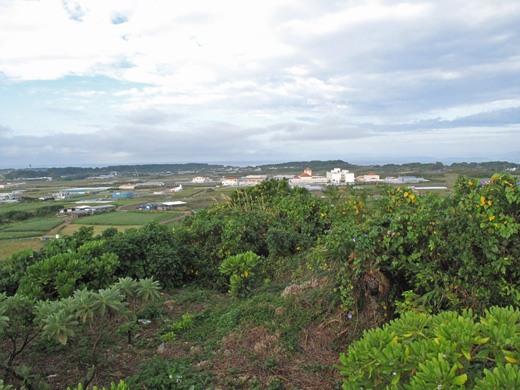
(275, 289)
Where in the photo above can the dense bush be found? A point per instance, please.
(448, 351)
(454, 252)
(60, 275)
(270, 220)
(152, 251)
(15, 268)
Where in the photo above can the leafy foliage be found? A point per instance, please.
(240, 270)
(459, 251)
(448, 351)
(60, 275)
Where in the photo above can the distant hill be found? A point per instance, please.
(320, 167)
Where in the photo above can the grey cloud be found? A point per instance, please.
(4, 130)
(494, 118)
(219, 141)
(151, 116)
(325, 130)
(507, 116)
(389, 67)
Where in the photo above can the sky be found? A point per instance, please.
(97, 82)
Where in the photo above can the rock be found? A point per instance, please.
(161, 348)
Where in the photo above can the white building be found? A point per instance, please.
(370, 178)
(230, 182)
(393, 180)
(252, 180)
(62, 195)
(307, 177)
(200, 179)
(341, 176)
(412, 179)
(176, 189)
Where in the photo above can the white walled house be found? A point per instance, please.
(307, 177)
(253, 180)
(341, 176)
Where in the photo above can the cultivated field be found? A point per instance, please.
(119, 218)
(68, 230)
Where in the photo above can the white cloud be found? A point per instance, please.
(309, 75)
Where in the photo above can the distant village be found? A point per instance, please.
(306, 179)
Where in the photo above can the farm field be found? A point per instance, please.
(98, 229)
(127, 218)
(35, 224)
(34, 227)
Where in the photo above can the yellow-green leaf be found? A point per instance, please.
(466, 354)
(481, 340)
(460, 380)
(62, 338)
(511, 360)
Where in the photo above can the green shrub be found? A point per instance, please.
(240, 269)
(152, 251)
(4, 387)
(453, 252)
(60, 275)
(448, 351)
(282, 241)
(179, 327)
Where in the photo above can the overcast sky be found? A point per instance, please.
(97, 82)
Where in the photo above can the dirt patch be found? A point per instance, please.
(257, 355)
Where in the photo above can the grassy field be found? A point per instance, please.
(18, 235)
(25, 206)
(9, 247)
(127, 218)
(42, 225)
